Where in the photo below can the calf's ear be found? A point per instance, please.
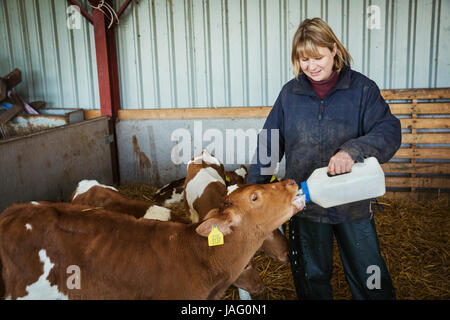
(223, 221)
(212, 213)
(206, 226)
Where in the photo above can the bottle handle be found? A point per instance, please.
(335, 175)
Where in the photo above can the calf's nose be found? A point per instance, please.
(290, 182)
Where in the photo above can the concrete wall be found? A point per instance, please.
(148, 154)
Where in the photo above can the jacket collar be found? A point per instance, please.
(302, 85)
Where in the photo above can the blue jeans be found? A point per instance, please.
(311, 258)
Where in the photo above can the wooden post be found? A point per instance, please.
(9, 82)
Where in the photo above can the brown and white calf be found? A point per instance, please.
(96, 195)
(238, 176)
(121, 257)
(171, 193)
(205, 189)
(90, 192)
(204, 185)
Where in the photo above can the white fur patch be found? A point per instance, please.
(195, 217)
(230, 189)
(42, 289)
(85, 185)
(157, 213)
(28, 226)
(241, 172)
(206, 157)
(176, 197)
(277, 168)
(35, 203)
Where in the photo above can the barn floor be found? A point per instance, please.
(414, 239)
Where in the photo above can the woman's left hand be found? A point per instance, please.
(341, 162)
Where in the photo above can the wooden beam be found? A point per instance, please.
(419, 195)
(13, 78)
(418, 167)
(8, 82)
(241, 112)
(3, 90)
(418, 182)
(11, 113)
(263, 111)
(420, 108)
(408, 94)
(91, 113)
(426, 138)
(425, 123)
(423, 153)
(194, 113)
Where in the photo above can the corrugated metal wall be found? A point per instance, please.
(204, 53)
(58, 65)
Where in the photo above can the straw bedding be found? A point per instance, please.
(414, 241)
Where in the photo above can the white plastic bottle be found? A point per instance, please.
(365, 181)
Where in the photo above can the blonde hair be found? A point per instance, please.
(313, 33)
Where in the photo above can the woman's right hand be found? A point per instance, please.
(341, 162)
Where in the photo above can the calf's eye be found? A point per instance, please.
(254, 197)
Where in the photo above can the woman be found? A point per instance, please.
(330, 115)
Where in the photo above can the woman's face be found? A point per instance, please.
(320, 67)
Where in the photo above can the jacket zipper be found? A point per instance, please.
(320, 115)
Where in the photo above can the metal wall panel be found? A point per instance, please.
(204, 53)
(58, 65)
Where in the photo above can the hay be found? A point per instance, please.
(138, 191)
(414, 241)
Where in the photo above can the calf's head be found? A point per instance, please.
(255, 208)
(250, 280)
(205, 160)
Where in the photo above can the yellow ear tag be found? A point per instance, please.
(215, 237)
(272, 179)
(227, 178)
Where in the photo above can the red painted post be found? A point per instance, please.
(114, 73)
(104, 53)
(108, 77)
(107, 69)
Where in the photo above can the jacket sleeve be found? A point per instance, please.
(270, 148)
(381, 131)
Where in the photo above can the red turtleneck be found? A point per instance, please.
(321, 88)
